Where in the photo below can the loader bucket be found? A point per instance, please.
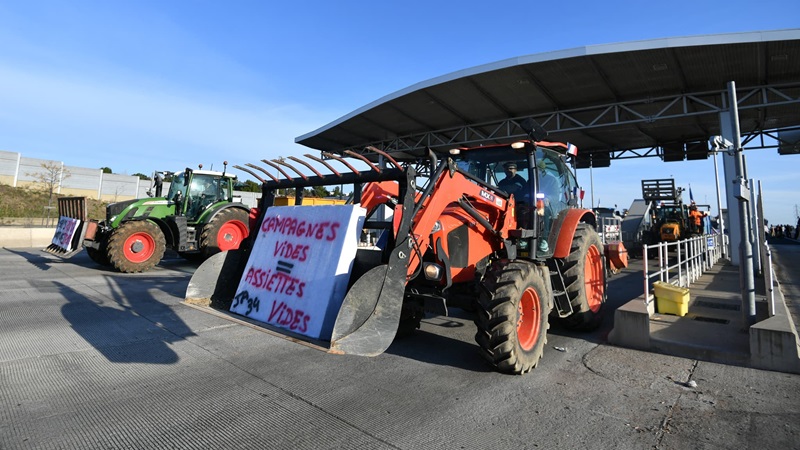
(370, 313)
(367, 320)
(214, 283)
(71, 228)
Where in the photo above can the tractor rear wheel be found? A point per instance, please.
(100, 256)
(225, 231)
(513, 307)
(584, 276)
(136, 246)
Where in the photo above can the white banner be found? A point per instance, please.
(65, 232)
(297, 274)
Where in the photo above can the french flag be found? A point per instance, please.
(572, 149)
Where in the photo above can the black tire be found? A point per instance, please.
(513, 308)
(136, 246)
(100, 256)
(584, 276)
(225, 231)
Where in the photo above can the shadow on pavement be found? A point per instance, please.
(135, 316)
(118, 312)
(440, 350)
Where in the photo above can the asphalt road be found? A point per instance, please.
(90, 359)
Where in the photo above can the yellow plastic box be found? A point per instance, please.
(671, 299)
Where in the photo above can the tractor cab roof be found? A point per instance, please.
(211, 172)
(500, 149)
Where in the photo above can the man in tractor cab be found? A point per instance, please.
(513, 183)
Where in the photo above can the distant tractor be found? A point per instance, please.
(669, 214)
(197, 219)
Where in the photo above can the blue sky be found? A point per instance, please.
(145, 85)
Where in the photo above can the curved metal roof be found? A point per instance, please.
(604, 98)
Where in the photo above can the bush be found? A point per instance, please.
(24, 202)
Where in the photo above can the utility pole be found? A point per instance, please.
(742, 193)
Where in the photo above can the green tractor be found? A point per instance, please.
(197, 219)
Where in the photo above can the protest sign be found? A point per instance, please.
(65, 232)
(297, 273)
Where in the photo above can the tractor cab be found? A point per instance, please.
(551, 184)
(194, 191)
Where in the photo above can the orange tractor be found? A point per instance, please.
(517, 258)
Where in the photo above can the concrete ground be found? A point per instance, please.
(91, 358)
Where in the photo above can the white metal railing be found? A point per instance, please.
(691, 257)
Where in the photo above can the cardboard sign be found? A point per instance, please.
(65, 232)
(297, 274)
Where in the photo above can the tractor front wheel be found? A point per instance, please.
(584, 276)
(513, 308)
(225, 231)
(136, 246)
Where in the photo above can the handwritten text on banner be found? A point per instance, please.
(297, 274)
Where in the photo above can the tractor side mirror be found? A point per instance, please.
(533, 129)
(186, 175)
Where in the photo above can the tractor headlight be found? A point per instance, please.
(432, 271)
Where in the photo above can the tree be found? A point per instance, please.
(106, 170)
(248, 186)
(140, 175)
(317, 191)
(51, 176)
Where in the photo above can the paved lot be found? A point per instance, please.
(95, 359)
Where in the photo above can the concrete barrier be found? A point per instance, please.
(26, 237)
(774, 344)
(632, 325)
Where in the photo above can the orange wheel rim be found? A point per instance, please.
(593, 278)
(231, 235)
(139, 247)
(529, 321)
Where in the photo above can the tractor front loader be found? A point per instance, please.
(516, 258)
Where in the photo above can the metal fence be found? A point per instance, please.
(609, 229)
(18, 171)
(680, 262)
